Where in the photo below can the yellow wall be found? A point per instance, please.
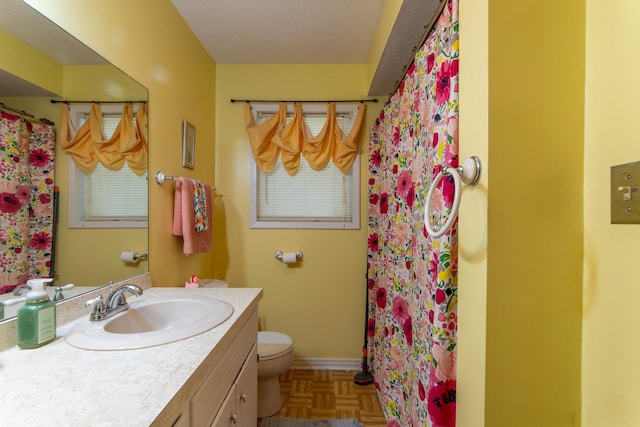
(320, 304)
(472, 219)
(534, 262)
(611, 372)
(20, 59)
(161, 53)
(390, 11)
(104, 81)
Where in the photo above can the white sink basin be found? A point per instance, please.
(151, 322)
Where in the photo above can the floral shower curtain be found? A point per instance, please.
(413, 277)
(26, 200)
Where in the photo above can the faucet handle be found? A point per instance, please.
(58, 296)
(94, 301)
(97, 303)
(98, 307)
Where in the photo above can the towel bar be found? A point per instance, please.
(161, 178)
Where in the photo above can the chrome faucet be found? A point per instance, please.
(116, 302)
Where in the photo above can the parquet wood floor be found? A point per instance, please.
(329, 394)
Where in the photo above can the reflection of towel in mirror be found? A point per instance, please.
(184, 223)
(200, 213)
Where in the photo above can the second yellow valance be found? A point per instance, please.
(274, 138)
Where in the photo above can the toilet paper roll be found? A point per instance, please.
(289, 258)
(129, 256)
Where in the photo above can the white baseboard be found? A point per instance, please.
(326, 364)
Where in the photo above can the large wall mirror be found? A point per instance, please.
(40, 62)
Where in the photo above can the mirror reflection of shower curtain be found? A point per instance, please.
(26, 200)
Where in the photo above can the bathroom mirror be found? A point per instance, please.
(86, 257)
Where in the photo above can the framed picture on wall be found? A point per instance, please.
(188, 145)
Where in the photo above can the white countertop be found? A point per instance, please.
(59, 385)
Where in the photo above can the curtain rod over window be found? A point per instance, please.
(54, 101)
(299, 101)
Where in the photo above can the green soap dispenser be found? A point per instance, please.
(37, 317)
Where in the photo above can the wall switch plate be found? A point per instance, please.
(625, 197)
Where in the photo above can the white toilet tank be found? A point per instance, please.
(213, 283)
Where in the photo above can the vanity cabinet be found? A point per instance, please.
(182, 419)
(227, 395)
(208, 379)
(240, 408)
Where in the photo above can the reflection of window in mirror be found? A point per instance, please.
(106, 198)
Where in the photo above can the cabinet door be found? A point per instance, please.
(240, 408)
(216, 387)
(247, 391)
(227, 416)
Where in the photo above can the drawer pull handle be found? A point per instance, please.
(175, 423)
(234, 418)
(243, 397)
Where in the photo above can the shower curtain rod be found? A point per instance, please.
(299, 101)
(25, 114)
(54, 101)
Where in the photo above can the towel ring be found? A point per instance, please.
(469, 173)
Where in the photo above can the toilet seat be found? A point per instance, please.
(272, 345)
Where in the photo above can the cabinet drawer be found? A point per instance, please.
(207, 399)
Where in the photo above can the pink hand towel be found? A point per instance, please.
(184, 218)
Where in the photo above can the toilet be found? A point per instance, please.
(213, 283)
(275, 353)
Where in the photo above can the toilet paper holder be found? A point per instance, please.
(279, 255)
(133, 257)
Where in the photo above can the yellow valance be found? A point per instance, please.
(88, 145)
(274, 138)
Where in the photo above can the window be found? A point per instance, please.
(326, 199)
(106, 198)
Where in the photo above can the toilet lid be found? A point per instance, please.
(273, 344)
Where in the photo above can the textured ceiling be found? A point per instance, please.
(309, 31)
(251, 32)
(284, 31)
